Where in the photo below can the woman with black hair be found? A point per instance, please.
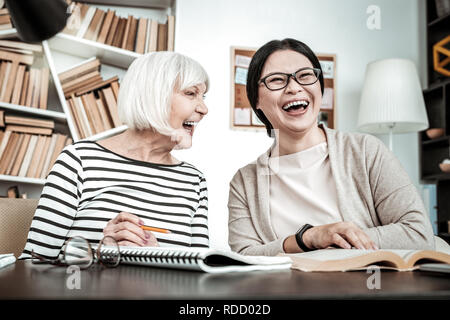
(316, 187)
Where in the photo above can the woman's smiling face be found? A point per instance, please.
(188, 108)
(285, 108)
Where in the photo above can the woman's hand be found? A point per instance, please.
(342, 234)
(126, 229)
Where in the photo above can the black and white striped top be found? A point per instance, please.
(89, 185)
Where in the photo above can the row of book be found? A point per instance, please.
(29, 155)
(92, 101)
(141, 35)
(5, 19)
(26, 124)
(20, 83)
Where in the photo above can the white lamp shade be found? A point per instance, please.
(392, 97)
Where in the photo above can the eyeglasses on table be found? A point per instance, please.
(78, 251)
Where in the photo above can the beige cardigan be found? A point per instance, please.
(373, 191)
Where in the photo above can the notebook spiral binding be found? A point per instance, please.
(157, 257)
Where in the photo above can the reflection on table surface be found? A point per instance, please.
(27, 281)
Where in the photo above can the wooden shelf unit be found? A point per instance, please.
(437, 101)
(114, 61)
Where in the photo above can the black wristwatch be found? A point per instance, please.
(299, 237)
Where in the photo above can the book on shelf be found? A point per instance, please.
(31, 148)
(81, 69)
(196, 259)
(356, 259)
(91, 100)
(161, 44)
(138, 34)
(110, 101)
(29, 121)
(5, 19)
(105, 26)
(13, 46)
(28, 129)
(29, 155)
(21, 155)
(8, 152)
(20, 82)
(40, 145)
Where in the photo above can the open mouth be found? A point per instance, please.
(296, 106)
(189, 126)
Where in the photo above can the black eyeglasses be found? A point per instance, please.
(78, 251)
(279, 80)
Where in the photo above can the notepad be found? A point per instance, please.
(206, 260)
(6, 259)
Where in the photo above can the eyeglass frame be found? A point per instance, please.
(61, 263)
(317, 73)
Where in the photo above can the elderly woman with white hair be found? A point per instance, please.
(115, 186)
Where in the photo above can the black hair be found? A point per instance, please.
(257, 64)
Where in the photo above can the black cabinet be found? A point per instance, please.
(437, 100)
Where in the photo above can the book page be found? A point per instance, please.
(332, 254)
(334, 259)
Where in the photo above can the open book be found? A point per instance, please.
(355, 259)
(203, 259)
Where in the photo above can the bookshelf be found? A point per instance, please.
(242, 116)
(433, 149)
(64, 51)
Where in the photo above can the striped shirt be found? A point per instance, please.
(89, 185)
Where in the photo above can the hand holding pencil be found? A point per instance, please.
(129, 230)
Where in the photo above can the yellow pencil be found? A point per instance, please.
(155, 229)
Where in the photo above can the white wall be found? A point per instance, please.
(206, 29)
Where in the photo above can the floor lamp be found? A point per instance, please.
(392, 100)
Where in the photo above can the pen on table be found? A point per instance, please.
(155, 229)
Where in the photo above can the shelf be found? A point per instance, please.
(86, 49)
(159, 4)
(444, 141)
(59, 116)
(16, 179)
(438, 21)
(436, 177)
(107, 133)
(437, 85)
(8, 33)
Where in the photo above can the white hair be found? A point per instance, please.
(146, 90)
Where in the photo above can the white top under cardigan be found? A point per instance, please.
(302, 190)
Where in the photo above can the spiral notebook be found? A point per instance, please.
(206, 260)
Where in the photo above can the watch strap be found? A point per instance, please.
(299, 237)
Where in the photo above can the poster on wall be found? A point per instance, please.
(241, 76)
(327, 99)
(327, 69)
(242, 116)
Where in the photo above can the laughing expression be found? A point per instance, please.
(188, 108)
(295, 108)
